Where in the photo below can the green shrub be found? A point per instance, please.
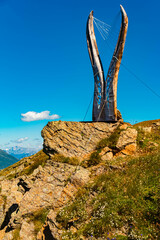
(94, 159)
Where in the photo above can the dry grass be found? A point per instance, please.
(146, 123)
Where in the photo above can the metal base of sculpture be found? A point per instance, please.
(105, 91)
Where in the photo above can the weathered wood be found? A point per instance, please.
(112, 76)
(105, 91)
(98, 113)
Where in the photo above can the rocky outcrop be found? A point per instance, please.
(75, 139)
(28, 197)
(49, 187)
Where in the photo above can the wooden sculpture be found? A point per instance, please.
(105, 91)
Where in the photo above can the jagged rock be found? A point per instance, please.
(119, 115)
(127, 151)
(156, 124)
(10, 189)
(75, 139)
(24, 185)
(52, 185)
(127, 137)
(106, 154)
(47, 188)
(27, 231)
(127, 142)
(5, 187)
(124, 126)
(80, 177)
(7, 236)
(54, 227)
(45, 234)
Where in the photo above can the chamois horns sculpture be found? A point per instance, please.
(105, 91)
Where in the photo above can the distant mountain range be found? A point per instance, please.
(21, 152)
(6, 159)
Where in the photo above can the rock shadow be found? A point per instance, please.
(7, 218)
(47, 234)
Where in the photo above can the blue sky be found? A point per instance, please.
(44, 62)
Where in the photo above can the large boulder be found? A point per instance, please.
(75, 139)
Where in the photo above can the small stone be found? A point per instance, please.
(73, 229)
(107, 156)
(100, 170)
(105, 150)
(156, 124)
(154, 144)
(129, 149)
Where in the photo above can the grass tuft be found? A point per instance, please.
(70, 160)
(148, 142)
(38, 218)
(111, 141)
(124, 201)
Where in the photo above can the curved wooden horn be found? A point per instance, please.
(105, 92)
(98, 113)
(112, 76)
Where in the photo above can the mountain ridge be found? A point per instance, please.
(6, 159)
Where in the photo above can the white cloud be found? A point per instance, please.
(35, 116)
(20, 140)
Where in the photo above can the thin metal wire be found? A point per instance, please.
(88, 108)
(106, 32)
(102, 26)
(108, 29)
(102, 22)
(100, 31)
